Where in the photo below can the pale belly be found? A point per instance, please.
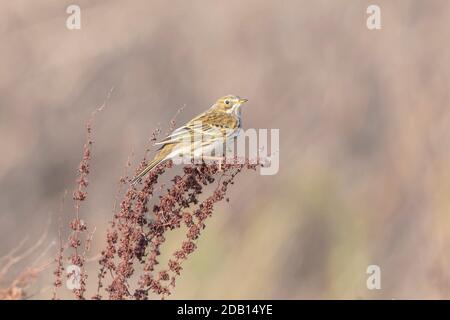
(200, 149)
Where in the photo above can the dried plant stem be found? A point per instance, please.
(78, 226)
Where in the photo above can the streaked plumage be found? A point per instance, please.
(218, 125)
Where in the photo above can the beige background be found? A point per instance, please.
(363, 118)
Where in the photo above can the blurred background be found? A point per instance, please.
(364, 135)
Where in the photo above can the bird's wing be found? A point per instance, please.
(214, 125)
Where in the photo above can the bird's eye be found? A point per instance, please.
(227, 101)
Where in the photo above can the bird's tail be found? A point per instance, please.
(159, 158)
(147, 169)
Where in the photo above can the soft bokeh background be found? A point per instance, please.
(364, 125)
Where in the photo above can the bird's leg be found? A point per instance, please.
(218, 159)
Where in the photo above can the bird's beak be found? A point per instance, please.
(241, 101)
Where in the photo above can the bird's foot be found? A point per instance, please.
(219, 160)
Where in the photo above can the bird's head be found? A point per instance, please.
(229, 103)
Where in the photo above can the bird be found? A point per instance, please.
(216, 127)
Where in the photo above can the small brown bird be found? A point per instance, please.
(215, 127)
